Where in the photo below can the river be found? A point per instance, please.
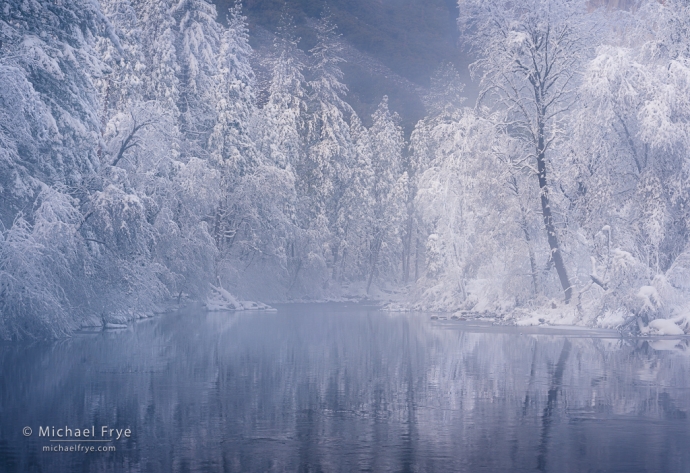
(337, 387)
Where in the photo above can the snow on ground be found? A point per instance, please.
(656, 311)
(122, 318)
(662, 327)
(115, 326)
(221, 300)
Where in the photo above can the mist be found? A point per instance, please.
(459, 165)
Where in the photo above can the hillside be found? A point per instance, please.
(391, 47)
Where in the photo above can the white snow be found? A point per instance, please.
(222, 300)
(664, 327)
(650, 297)
(115, 326)
(276, 187)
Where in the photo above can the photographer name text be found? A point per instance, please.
(105, 433)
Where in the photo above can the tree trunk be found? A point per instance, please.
(336, 254)
(374, 261)
(416, 260)
(532, 259)
(556, 256)
(343, 259)
(407, 250)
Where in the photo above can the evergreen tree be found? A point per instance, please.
(198, 42)
(443, 104)
(358, 206)
(158, 43)
(326, 168)
(389, 189)
(230, 144)
(281, 125)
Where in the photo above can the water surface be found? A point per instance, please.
(338, 388)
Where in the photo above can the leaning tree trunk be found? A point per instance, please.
(556, 256)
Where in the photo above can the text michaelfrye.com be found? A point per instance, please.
(79, 448)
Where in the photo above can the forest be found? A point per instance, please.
(142, 163)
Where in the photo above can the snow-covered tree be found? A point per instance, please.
(389, 187)
(530, 56)
(466, 208)
(50, 117)
(49, 131)
(357, 208)
(44, 269)
(281, 122)
(629, 152)
(158, 43)
(443, 103)
(142, 139)
(124, 84)
(230, 143)
(197, 45)
(326, 168)
(231, 147)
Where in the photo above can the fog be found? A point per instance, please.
(305, 235)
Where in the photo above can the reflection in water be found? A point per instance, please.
(329, 388)
(546, 418)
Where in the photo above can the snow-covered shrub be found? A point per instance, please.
(45, 269)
